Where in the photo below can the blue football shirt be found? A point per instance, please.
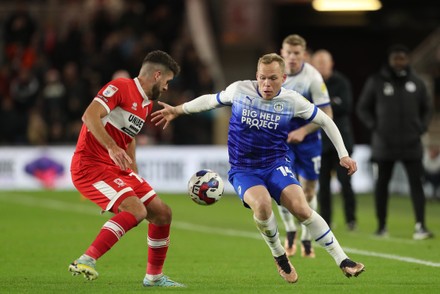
(258, 128)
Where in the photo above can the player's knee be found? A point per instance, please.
(262, 207)
(140, 213)
(310, 194)
(163, 216)
(136, 208)
(303, 213)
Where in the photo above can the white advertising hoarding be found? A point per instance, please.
(166, 168)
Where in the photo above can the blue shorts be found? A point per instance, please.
(306, 158)
(275, 178)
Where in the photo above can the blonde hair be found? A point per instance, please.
(295, 40)
(272, 57)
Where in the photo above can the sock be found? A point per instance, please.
(288, 220)
(110, 233)
(87, 258)
(290, 238)
(321, 233)
(305, 234)
(158, 242)
(269, 230)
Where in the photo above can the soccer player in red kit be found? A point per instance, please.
(104, 167)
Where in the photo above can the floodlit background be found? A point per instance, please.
(56, 54)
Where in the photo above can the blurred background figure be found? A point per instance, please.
(394, 104)
(431, 166)
(339, 89)
(304, 138)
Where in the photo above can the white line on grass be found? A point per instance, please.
(236, 233)
(80, 208)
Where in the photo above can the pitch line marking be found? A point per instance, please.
(236, 233)
(84, 209)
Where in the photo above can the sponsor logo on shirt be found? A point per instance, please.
(109, 91)
(260, 119)
(134, 125)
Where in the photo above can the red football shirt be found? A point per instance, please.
(127, 106)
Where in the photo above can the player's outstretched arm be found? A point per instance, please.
(199, 104)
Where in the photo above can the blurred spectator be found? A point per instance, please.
(395, 106)
(54, 106)
(19, 31)
(24, 92)
(431, 165)
(10, 123)
(339, 89)
(78, 96)
(57, 57)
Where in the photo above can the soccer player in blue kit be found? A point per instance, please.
(258, 155)
(304, 138)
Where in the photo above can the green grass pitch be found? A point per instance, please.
(213, 249)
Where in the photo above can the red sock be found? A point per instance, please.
(158, 241)
(110, 233)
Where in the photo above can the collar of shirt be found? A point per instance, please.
(138, 85)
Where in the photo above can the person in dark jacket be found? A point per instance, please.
(395, 106)
(339, 89)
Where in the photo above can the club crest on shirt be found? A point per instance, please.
(278, 107)
(119, 182)
(109, 91)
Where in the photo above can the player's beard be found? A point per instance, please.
(155, 92)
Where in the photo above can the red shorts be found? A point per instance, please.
(108, 185)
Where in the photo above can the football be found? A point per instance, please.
(205, 187)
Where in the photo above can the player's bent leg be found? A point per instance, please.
(159, 215)
(259, 200)
(289, 224)
(322, 234)
(309, 187)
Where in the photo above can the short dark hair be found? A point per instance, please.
(163, 58)
(398, 48)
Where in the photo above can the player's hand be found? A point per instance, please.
(120, 157)
(165, 115)
(349, 164)
(296, 136)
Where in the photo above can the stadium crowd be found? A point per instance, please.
(54, 62)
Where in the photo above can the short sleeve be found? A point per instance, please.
(110, 95)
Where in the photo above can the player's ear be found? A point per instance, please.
(284, 77)
(157, 75)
